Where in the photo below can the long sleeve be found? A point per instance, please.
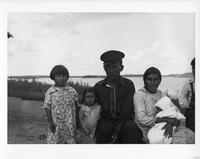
(144, 116)
(47, 101)
(185, 96)
(82, 118)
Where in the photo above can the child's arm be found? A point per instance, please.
(50, 120)
(82, 117)
(47, 106)
(77, 107)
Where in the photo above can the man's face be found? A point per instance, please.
(113, 70)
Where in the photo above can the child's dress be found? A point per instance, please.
(61, 102)
(156, 134)
(89, 116)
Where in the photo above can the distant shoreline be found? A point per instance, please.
(184, 75)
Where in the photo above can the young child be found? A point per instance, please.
(165, 109)
(59, 103)
(89, 114)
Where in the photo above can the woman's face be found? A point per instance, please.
(60, 79)
(89, 98)
(151, 83)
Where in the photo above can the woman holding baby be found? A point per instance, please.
(145, 100)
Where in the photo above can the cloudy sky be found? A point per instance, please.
(76, 40)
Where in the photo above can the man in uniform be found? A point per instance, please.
(115, 95)
(187, 100)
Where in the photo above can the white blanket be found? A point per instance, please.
(156, 134)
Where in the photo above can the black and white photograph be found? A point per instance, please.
(85, 47)
(101, 78)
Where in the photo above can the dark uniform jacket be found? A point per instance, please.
(116, 101)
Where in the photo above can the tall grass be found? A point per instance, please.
(35, 90)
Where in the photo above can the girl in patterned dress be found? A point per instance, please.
(89, 114)
(59, 103)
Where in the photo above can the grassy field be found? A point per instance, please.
(36, 90)
(27, 122)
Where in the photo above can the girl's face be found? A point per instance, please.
(151, 83)
(60, 79)
(89, 98)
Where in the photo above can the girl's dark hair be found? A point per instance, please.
(89, 89)
(152, 70)
(59, 69)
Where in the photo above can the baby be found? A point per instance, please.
(165, 108)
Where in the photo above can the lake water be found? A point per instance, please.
(170, 84)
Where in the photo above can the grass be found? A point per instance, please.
(35, 90)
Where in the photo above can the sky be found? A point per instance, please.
(77, 40)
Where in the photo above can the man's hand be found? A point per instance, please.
(116, 133)
(53, 127)
(115, 137)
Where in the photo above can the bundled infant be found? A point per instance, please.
(165, 108)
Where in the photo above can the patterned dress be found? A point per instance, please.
(61, 102)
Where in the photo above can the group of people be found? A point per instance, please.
(113, 112)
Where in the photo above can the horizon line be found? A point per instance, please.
(172, 74)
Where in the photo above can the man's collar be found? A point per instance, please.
(121, 81)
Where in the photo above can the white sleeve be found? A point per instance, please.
(184, 96)
(140, 111)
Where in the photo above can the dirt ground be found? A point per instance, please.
(27, 122)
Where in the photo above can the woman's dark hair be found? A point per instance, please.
(89, 89)
(152, 70)
(59, 69)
